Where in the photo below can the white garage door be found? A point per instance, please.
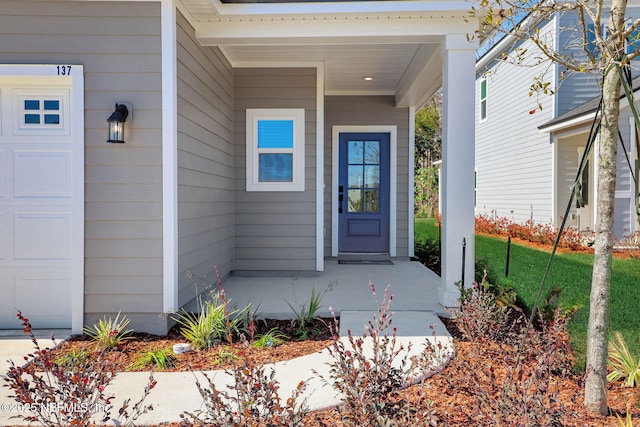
(41, 201)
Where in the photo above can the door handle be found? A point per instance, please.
(340, 198)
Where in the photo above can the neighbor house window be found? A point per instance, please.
(483, 99)
(633, 43)
(275, 150)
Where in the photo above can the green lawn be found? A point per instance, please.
(569, 272)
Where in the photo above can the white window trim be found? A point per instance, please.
(253, 116)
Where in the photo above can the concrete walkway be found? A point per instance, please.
(345, 289)
(176, 392)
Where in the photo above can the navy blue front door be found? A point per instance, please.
(363, 192)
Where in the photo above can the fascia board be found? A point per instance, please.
(578, 120)
(367, 7)
(296, 32)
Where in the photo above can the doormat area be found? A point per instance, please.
(365, 262)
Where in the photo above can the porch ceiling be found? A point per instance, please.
(398, 43)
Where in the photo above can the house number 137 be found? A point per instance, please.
(64, 70)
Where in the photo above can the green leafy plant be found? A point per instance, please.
(73, 395)
(72, 358)
(212, 325)
(213, 322)
(428, 253)
(627, 421)
(306, 313)
(160, 359)
(248, 316)
(225, 354)
(624, 365)
(273, 338)
(108, 332)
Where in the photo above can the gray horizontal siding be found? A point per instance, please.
(369, 110)
(205, 162)
(119, 46)
(275, 230)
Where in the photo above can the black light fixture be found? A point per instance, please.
(116, 123)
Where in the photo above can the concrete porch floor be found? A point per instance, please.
(345, 286)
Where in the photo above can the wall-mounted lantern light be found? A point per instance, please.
(116, 123)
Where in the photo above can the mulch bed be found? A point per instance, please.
(218, 357)
(454, 405)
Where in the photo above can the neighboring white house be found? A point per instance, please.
(244, 118)
(527, 158)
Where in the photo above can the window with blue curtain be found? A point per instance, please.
(275, 149)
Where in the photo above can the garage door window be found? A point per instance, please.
(41, 112)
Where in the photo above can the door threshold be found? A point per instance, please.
(364, 259)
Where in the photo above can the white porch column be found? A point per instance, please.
(458, 162)
(169, 158)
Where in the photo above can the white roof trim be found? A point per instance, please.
(581, 119)
(360, 93)
(585, 118)
(330, 31)
(336, 7)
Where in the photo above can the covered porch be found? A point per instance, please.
(345, 287)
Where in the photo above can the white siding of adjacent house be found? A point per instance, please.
(567, 155)
(513, 160)
(370, 110)
(567, 167)
(275, 230)
(119, 46)
(625, 218)
(205, 162)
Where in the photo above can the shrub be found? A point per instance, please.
(428, 253)
(624, 365)
(272, 338)
(524, 391)
(479, 317)
(426, 192)
(306, 313)
(213, 322)
(224, 355)
(367, 377)
(210, 326)
(627, 421)
(252, 400)
(72, 358)
(529, 231)
(59, 395)
(109, 333)
(160, 359)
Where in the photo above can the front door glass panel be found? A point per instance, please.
(364, 176)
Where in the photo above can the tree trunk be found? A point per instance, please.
(597, 334)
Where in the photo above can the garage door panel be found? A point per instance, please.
(4, 165)
(7, 305)
(41, 196)
(41, 173)
(51, 305)
(5, 241)
(42, 235)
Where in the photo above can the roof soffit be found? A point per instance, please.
(397, 41)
